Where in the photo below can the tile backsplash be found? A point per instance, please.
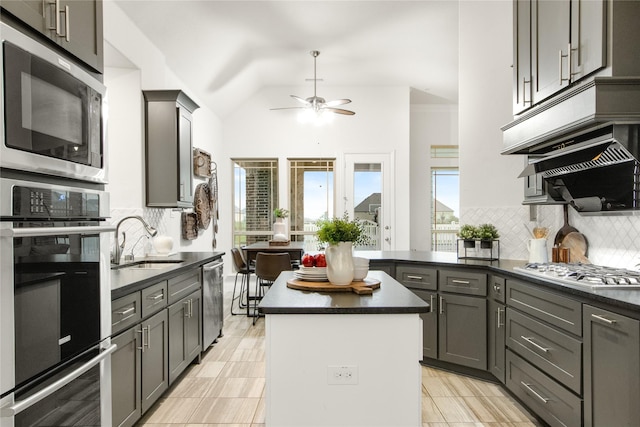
(612, 240)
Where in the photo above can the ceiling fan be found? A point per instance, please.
(316, 103)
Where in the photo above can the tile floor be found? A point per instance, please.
(227, 389)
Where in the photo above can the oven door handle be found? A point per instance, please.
(55, 231)
(20, 406)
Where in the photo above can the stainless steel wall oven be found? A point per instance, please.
(53, 112)
(54, 305)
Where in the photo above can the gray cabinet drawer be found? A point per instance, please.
(497, 288)
(154, 298)
(417, 277)
(125, 312)
(554, 352)
(550, 307)
(546, 398)
(183, 285)
(462, 282)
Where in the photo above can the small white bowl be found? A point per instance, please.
(359, 273)
(360, 262)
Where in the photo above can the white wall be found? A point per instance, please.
(430, 125)
(489, 190)
(133, 64)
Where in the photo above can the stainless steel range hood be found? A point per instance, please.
(597, 170)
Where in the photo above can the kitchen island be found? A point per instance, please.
(342, 359)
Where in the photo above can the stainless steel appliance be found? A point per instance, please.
(53, 112)
(212, 277)
(584, 275)
(54, 305)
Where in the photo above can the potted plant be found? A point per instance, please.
(487, 233)
(280, 213)
(340, 234)
(468, 233)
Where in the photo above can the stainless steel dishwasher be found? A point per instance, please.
(211, 302)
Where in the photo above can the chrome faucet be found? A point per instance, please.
(120, 246)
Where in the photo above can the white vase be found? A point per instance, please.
(280, 230)
(340, 263)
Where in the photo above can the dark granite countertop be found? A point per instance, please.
(127, 280)
(625, 301)
(391, 298)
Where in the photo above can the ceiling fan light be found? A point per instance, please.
(318, 118)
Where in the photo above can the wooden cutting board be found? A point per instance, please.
(577, 244)
(364, 287)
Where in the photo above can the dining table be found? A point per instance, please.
(294, 249)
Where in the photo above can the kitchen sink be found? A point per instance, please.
(146, 265)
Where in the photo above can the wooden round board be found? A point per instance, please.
(364, 287)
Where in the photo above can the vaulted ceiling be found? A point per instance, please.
(228, 50)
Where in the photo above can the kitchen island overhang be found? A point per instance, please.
(342, 359)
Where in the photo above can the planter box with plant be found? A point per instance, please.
(487, 233)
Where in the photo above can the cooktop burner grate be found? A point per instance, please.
(587, 275)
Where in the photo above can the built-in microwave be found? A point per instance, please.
(54, 114)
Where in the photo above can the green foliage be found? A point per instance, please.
(337, 230)
(280, 213)
(487, 232)
(468, 231)
(483, 231)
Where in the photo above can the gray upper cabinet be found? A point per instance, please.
(168, 148)
(611, 368)
(76, 26)
(556, 43)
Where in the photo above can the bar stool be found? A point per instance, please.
(268, 268)
(245, 270)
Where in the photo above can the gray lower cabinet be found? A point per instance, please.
(185, 332)
(611, 368)
(497, 339)
(126, 390)
(496, 327)
(462, 330)
(139, 369)
(455, 330)
(556, 405)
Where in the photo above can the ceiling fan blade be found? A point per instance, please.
(297, 98)
(337, 102)
(288, 108)
(339, 111)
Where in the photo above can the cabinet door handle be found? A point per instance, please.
(156, 297)
(414, 277)
(431, 304)
(148, 336)
(535, 393)
(125, 312)
(460, 282)
(533, 343)
(497, 289)
(526, 82)
(142, 334)
(560, 78)
(604, 319)
(67, 35)
(499, 317)
(441, 304)
(186, 309)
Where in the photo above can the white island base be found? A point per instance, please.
(346, 370)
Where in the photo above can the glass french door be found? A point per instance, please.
(367, 196)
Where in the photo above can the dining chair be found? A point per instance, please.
(268, 268)
(245, 270)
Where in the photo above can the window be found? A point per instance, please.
(311, 197)
(255, 196)
(445, 197)
(445, 206)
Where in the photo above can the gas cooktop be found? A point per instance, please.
(586, 275)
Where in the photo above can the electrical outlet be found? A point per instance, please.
(342, 375)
